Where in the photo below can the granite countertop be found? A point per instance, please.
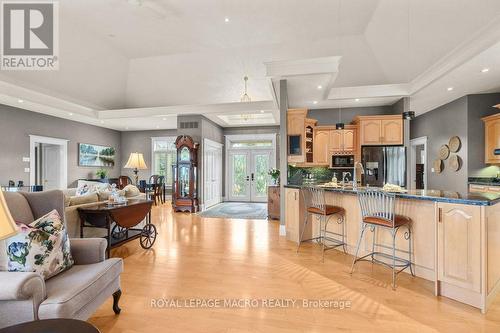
(476, 199)
(487, 182)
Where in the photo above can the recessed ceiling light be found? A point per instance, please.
(320, 87)
(261, 111)
(450, 88)
(157, 126)
(71, 113)
(315, 102)
(126, 128)
(485, 70)
(226, 19)
(164, 118)
(357, 99)
(20, 101)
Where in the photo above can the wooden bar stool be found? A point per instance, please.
(314, 200)
(378, 212)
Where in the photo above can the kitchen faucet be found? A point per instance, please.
(344, 175)
(355, 178)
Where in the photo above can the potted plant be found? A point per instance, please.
(275, 175)
(101, 173)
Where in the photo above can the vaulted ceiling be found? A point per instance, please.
(125, 64)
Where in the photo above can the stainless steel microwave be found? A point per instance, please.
(342, 161)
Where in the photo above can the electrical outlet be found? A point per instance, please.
(26, 159)
(432, 170)
(27, 170)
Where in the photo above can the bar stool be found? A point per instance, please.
(378, 212)
(314, 200)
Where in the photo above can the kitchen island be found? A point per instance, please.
(456, 238)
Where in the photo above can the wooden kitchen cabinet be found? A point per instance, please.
(335, 141)
(294, 216)
(492, 138)
(321, 140)
(459, 245)
(273, 202)
(392, 131)
(349, 136)
(380, 130)
(296, 130)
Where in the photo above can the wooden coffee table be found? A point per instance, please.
(120, 220)
(53, 326)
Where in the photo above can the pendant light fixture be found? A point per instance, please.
(245, 97)
(340, 124)
(408, 114)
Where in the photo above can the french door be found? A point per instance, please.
(248, 178)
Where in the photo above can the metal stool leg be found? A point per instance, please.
(343, 234)
(323, 237)
(358, 246)
(302, 233)
(374, 232)
(410, 248)
(393, 232)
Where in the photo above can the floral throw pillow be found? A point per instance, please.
(42, 247)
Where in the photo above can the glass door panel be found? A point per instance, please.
(260, 178)
(239, 177)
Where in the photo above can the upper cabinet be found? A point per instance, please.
(300, 136)
(380, 130)
(321, 138)
(492, 139)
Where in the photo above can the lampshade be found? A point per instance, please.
(7, 224)
(136, 161)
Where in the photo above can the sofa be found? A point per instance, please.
(98, 194)
(74, 293)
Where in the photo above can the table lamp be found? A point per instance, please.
(7, 224)
(136, 162)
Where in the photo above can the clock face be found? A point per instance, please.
(185, 154)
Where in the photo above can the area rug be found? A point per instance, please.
(237, 210)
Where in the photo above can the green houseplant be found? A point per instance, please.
(275, 175)
(101, 173)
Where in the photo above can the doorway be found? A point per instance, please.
(248, 161)
(418, 163)
(48, 162)
(212, 173)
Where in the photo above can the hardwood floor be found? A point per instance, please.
(196, 258)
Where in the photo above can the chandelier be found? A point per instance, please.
(245, 97)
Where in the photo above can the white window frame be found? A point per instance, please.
(153, 141)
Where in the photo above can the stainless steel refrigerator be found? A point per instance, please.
(384, 164)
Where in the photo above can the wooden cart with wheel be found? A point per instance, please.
(120, 221)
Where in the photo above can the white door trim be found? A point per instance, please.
(218, 146)
(413, 157)
(256, 137)
(34, 139)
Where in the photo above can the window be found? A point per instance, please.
(164, 156)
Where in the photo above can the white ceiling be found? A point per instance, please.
(127, 62)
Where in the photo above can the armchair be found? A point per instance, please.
(75, 293)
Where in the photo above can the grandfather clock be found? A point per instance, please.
(185, 191)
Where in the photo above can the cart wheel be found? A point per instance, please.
(118, 231)
(148, 236)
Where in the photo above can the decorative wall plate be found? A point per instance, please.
(438, 166)
(444, 152)
(455, 144)
(455, 162)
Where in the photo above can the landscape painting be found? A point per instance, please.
(95, 155)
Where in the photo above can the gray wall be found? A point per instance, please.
(140, 141)
(331, 116)
(17, 124)
(439, 125)
(480, 106)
